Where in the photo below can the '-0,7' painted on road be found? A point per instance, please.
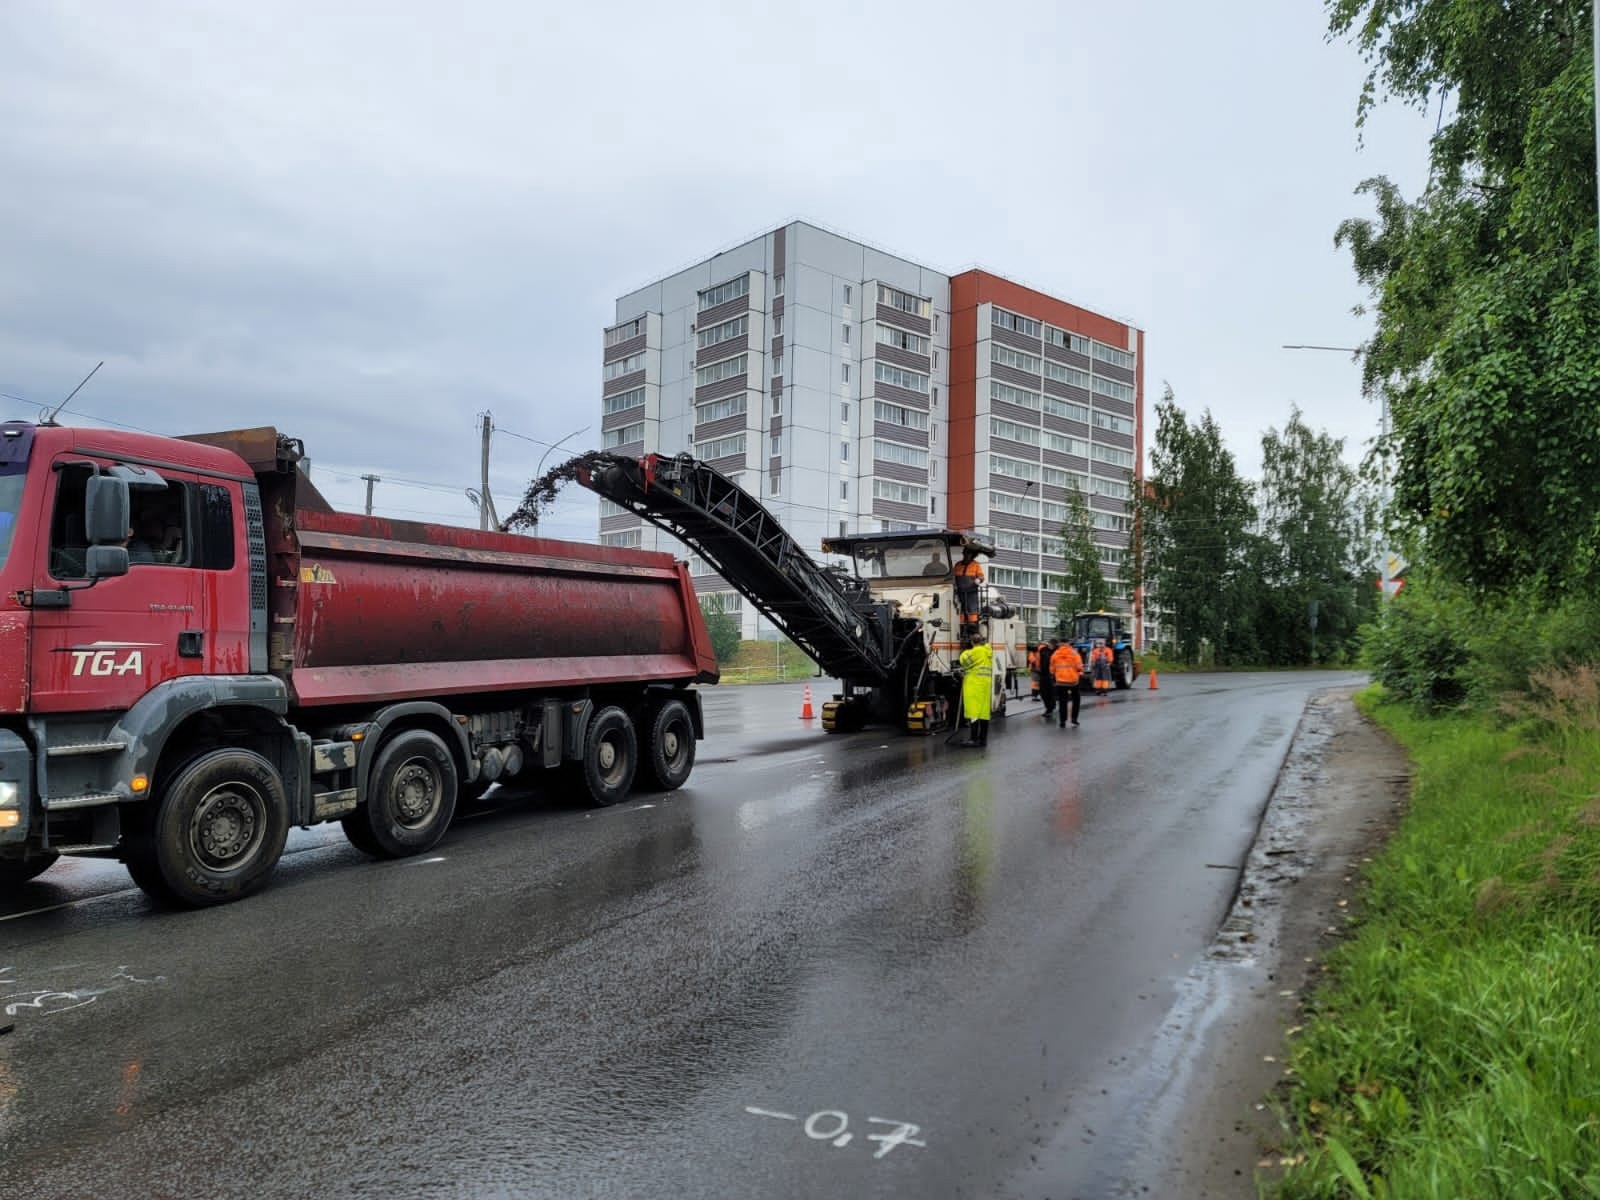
(832, 1126)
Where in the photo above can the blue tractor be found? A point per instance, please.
(1116, 631)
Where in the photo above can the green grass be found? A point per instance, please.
(757, 662)
(1454, 1050)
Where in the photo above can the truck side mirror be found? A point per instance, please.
(105, 562)
(105, 516)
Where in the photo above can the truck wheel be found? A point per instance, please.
(610, 757)
(411, 797)
(14, 871)
(216, 833)
(671, 749)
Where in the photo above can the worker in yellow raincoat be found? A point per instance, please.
(977, 688)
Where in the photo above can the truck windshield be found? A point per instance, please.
(12, 477)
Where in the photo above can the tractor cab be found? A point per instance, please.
(1114, 631)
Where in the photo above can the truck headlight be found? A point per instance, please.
(9, 794)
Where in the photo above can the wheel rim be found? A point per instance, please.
(415, 792)
(675, 742)
(225, 832)
(611, 760)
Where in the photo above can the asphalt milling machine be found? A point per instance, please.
(889, 628)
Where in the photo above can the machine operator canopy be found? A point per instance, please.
(920, 554)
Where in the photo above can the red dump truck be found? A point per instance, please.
(197, 653)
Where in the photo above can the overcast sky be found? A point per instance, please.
(367, 223)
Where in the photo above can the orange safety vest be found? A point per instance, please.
(1066, 666)
(969, 567)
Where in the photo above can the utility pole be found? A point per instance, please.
(487, 517)
(371, 479)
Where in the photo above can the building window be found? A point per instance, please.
(844, 489)
(777, 325)
(621, 333)
(1110, 354)
(844, 332)
(723, 447)
(1013, 321)
(844, 451)
(1063, 444)
(936, 322)
(933, 506)
(900, 493)
(936, 397)
(777, 485)
(897, 414)
(777, 364)
(622, 401)
(1066, 408)
(1075, 342)
(1012, 395)
(627, 537)
(1028, 435)
(1113, 388)
(777, 404)
(935, 360)
(844, 412)
(717, 410)
(898, 377)
(1005, 356)
(726, 369)
(612, 438)
(1111, 454)
(899, 338)
(724, 292)
(777, 285)
(883, 450)
(1113, 423)
(844, 372)
(722, 332)
(904, 301)
(772, 445)
(624, 366)
(848, 293)
(933, 469)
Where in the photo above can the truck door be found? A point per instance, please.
(117, 639)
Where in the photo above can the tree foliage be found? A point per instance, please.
(1485, 287)
(722, 625)
(1194, 516)
(1316, 555)
(1083, 584)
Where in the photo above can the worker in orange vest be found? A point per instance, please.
(1066, 670)
(969, 575)
(1100, 665)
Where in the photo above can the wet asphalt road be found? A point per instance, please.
(868, 965)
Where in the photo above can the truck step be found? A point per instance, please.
(87, 800)
(327, 805)
(82, 748)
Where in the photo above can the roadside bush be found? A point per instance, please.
(1418, 648)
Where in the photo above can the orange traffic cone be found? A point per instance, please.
(805, 709)
(1153, 686)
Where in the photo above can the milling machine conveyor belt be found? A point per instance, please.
(746, 546)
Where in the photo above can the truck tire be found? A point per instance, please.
(610, 757)
(14, 871)
(1124, 672)
(669, 755)
(411, 797)
(216, 832)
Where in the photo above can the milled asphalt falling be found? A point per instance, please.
(864, 965)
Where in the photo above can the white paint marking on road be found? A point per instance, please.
(642, 807)
(762, 1112)
(422, 862)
